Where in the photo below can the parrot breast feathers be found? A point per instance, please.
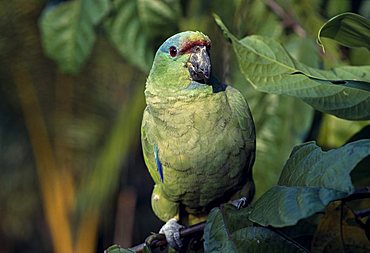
(197, 133)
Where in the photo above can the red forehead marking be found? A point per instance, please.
(188, 45)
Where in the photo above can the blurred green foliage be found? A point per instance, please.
(86, 64)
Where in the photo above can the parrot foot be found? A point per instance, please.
(172, 232)
(240, 203)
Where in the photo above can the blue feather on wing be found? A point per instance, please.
(158, 162)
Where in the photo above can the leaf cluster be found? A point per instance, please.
(311, 178)
(69, 29)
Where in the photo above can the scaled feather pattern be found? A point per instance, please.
(198, 135)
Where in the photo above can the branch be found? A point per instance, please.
(287, 20)
(361, 193)
(184, 233)
(362, 213)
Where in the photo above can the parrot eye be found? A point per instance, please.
(173, 51)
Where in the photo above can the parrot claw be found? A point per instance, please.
(240, 203)
(172, 232)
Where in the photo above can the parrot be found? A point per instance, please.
(197, 133)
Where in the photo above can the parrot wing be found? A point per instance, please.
(162, 207)
(241, 110)
(149, 149)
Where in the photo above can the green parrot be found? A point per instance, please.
(198, 135)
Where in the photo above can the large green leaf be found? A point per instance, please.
(134, 23)
(221, 223)
(311, 179)
(228, 230)
(342, 91)
(348, 29)
(282, 122)
(67, 31)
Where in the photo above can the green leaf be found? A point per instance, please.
(221, 222)
(117, 249)
(67, 31)
(284, 206)
(311, 179)
(342, 91)
(259, 239)
(134, 23)
(228, 230)
(348, 29)
(282, 123)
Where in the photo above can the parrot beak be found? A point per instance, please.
(199, 64)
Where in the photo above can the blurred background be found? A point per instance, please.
(72, 76)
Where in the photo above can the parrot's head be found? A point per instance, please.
(181, 60)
